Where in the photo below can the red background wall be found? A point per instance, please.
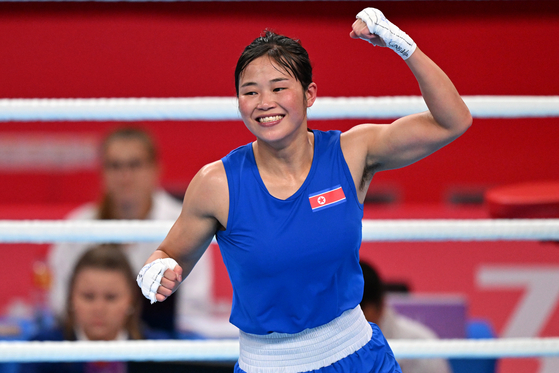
(58, 50)
(187, 49)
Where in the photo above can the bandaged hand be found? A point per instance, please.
(391, 36)
(152, 275)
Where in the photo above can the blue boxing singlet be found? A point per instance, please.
(293, 263)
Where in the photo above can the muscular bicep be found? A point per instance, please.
(401, 143)
(369, 148)
(408, 140)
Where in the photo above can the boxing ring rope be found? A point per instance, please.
(99, 231)
(35, 231)
(225, 108)
(228, 350)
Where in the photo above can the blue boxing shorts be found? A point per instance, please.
(348, 344)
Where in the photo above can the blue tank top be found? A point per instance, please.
(293, 263)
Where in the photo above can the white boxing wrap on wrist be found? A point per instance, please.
(149, 278)
(394, 38)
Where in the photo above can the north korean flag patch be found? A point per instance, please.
(327, 198)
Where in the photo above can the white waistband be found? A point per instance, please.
(308, 350)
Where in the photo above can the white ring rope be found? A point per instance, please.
(476, 348)
(228, 350)
(146, 350)
(119, 231)
(225, 108)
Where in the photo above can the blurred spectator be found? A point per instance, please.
(130, 172)
(103, 304)
(396, 326)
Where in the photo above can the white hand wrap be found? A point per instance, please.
(395, 39)
(149, 278)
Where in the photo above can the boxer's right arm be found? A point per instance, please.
(204, 211)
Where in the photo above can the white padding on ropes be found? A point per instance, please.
(461, 230)
(101, 231)
(125, 109)
(476, 348)
(225, 108)
(228, 350)
(146, 350)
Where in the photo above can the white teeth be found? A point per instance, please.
(269, 119)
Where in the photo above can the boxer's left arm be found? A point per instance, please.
(415, 136)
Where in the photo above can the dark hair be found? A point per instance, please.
(106, 257)
(374, 288)
(286, 52)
